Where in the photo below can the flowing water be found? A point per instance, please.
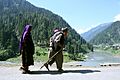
(99, 57)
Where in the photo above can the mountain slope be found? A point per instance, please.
(93, 32)
(111, 35)
(15, 14)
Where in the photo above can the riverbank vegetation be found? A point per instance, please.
(108, 48)
(41, 55)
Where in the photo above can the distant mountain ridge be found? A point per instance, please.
(94, 31)
(110, 36)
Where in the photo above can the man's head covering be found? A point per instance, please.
(65, 29)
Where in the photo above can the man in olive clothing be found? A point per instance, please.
(57, 45)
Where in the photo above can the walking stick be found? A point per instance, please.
(50, 59)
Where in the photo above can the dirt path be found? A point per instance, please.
(70, 73)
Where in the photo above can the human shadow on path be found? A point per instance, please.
(65, 71)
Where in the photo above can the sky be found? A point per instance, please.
(82, 15)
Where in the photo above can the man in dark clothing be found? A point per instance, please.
(26, 49)
(57, 45)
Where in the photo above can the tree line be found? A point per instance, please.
(12, 22)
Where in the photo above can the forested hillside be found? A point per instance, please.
(15, 14)
(111, 35)
(94, 31)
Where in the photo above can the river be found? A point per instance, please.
(99, 57)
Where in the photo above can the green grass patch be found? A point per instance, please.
(41, 55)
(110, 50)
(66, 57)
(15, 59)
